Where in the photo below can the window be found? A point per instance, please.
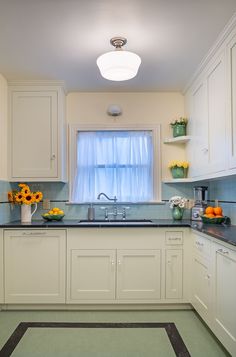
(117, 162)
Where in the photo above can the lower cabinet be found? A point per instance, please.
(214, 288)
(1, 268)
(125, 265)
(225, 296)
(34, 266)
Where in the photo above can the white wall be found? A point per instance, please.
(138, 108)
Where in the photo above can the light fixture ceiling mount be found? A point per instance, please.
(118, 65)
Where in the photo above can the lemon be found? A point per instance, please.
(46, 214)
(60, 212)
(55, 209)
(50, 212)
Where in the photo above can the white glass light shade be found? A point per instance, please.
(119, 65)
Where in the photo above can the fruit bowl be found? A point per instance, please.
(214, 220)
(52, 217)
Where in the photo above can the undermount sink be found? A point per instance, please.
(124, 222)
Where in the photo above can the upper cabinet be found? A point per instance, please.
(37, 150)
(3, 128)
(211, 107)
(231, 77)
(208, 116)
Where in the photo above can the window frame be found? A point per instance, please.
(156, 134)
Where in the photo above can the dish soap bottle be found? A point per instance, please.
(91, 213)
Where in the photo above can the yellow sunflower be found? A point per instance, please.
(10, 196)
(21, 185)
(25, 190)
(19, 197)
(28, 198)
(38, 196)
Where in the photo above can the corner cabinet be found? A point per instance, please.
(34, 266)
(126, 265)
(37, 149)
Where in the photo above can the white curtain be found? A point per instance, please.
(118, 163)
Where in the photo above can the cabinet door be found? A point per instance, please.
(34, 131)
(1, 268)
(231, 75)
(34, 266)
(3, 129)
(225, 297)
(201, 287)
(139, 274)
(199, 132)
(216, 89)
(174, 274)
(92, 274)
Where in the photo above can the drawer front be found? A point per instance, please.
(202, 246)
(174, 238)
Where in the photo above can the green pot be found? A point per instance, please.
(179, 130)
(177, 213)
(179, 172)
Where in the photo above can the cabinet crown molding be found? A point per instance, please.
(38, 83)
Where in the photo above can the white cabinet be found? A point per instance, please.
(208, 119)
(93, 274)
(1, 268)
(37, 132)
(125, 265)
(201, 279)
(139, 274)
(225, 296)
(3, 128)
(34, 266)
(231, 77)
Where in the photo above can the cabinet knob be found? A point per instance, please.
(53, 157)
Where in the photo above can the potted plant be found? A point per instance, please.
(177, 204)
(179, 169)
(179, 126)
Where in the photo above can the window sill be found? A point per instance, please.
(99, 203)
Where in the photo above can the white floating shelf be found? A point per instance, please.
(177, 180)
(177, 140)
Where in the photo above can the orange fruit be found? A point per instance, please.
(209, 210)
(210, 215)
(219, 216)
(218, 211)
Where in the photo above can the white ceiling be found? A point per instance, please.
(61, 39)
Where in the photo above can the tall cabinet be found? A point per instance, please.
(3, 128)
(37, 150)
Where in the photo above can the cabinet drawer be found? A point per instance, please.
(202, 246)
(174, 238)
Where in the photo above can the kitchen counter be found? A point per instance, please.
(226, 233)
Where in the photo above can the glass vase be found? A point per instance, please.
(177, 213)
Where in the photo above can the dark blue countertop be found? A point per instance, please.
(226, 233)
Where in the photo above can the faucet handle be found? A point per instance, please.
(124, 212)
(106, 212)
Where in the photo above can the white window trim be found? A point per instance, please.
(156, 132)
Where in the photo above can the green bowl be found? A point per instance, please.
(53, 217)
(216, 220)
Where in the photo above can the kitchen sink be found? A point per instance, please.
(123, 222)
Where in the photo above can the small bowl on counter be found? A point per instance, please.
(215, 220)
(52, 217)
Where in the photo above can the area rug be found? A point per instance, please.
(49, 339)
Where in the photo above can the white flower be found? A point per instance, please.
(177, 201)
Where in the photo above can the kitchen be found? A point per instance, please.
(45, 100)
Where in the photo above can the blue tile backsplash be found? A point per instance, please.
(223, 189)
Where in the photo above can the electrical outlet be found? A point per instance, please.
(46, 203)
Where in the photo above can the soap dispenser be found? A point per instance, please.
(91, 213)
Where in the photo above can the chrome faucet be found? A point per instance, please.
(103, 194)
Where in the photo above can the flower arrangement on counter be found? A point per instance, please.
(24, 195)
(179, 169)
(177, 201)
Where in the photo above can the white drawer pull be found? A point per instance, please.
(200, 244)
(174, 238)
(222, 251)
(34, 233)
(112, 262)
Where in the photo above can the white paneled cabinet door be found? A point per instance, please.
(174, 274)
(34, 130)
(199, 143)
(231, 76)
(216, 89)
(34, 266)
(92, 275)
(225, 296)
(1, 268)
(139, 274)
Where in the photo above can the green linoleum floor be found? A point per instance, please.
(58, 342)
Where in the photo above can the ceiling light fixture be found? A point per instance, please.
(118, 65)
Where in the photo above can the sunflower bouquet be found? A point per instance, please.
(24, 195)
